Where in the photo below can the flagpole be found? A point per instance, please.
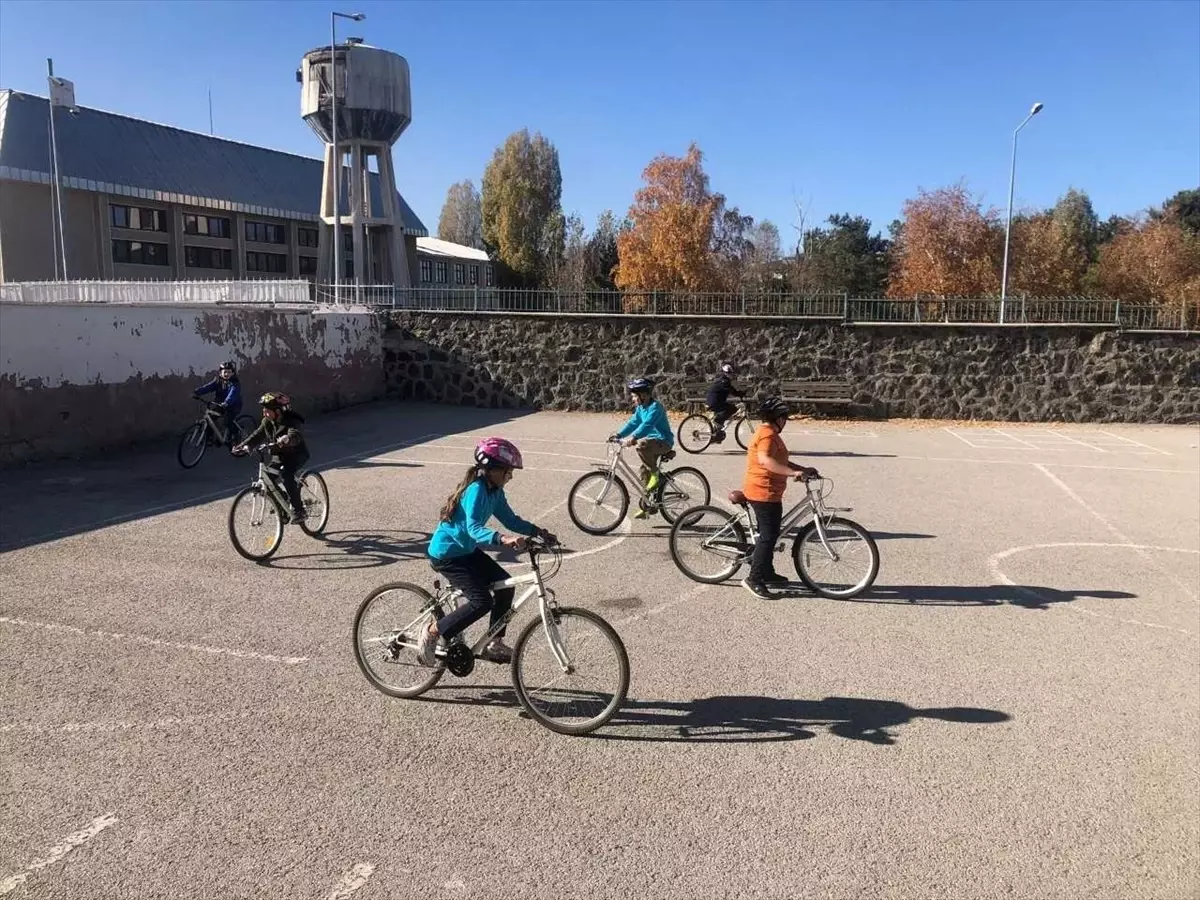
(62, 231)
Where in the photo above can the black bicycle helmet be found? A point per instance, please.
(772, 408)
(640, 384)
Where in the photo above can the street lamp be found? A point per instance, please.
(1012, 178)
(337, 159)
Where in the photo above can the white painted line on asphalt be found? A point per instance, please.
(464, 447)
(157, 642)
(351, 881)
(954, 433)
(1070, 440)
(1125, 440)
(460, 464)
(1054, 465)
(998, 574)
(370, 454)
(1187, 589)
(57, 852)
(663, 607)
(1013, 437)
(74, 727)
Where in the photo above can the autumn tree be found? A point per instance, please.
(1159, 262)
(522, 206)
(949, 247)
(573, 272)
(1183, 209)
(461, 220)
(601, 251)
(668, 245)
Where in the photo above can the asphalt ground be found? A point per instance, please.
(1012, 711)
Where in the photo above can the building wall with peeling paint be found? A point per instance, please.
(78, 378)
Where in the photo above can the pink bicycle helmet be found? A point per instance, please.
(495, 451)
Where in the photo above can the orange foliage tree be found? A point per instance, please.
(1159, 262)
(948, 247)
(1043, 259)
(668, 246)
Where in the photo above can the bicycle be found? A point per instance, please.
(563, 709)
(828, 537)
(677, 490)
(209, 429)
(266, 503)
(697, 431)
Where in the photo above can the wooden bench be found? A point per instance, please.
(817, 392)
(694, 396)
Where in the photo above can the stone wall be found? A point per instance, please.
(1049, 373)
(79, 378)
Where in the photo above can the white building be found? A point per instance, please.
(442, 264)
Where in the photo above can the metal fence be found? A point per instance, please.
(816, 306)
(168, 293)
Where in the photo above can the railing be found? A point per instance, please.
(749, 304)
(177, 293)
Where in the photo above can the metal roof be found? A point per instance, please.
(116, 154)
(437, 247)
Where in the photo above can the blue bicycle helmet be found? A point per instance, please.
(638, 385)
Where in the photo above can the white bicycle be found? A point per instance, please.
(552, 657)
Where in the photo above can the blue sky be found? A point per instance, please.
(849, 106)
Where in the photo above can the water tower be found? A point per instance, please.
(374, 106)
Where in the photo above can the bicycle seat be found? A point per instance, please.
(667, 457)
(737, 498)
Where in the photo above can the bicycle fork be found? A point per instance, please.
(553, 635)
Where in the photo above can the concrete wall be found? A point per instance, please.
(79, 378)
(1007, 374)
(27, 232)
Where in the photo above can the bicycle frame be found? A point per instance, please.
(266, 479)
(616, 465)
(812, 504)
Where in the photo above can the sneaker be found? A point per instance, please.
(652, 481)
(774, 580)
(641, 514)
(758, 589)
(718, 437)
(497, 651)
(426, 645)
(299, 518)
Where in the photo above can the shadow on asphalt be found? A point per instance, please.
(1024, 596)
(357, 550)
(66, 497)
(744, 718)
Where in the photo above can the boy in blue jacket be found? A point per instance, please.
(227, 392)
(649, 429)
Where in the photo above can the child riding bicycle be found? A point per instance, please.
(767, 472)
(280, 427)
(717, 400)
(227, 394)
(454, 549)
(649, 429)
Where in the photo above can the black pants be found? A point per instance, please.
(722, 414)
(230, 416)
(288, 467)
(768, 517)
(473, 574)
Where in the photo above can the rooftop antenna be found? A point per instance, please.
(210, 124)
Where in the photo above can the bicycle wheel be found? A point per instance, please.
(192, 444)
(708, 544)
(744, 433)
(850, 573)
(695, 433)
(385, 632)
(243, 425)
(682, 489)
(255, 524)
(315, 496)
(563, 701)
(598, 503)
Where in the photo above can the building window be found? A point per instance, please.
(458, 273)
(487, 274)
(474, 274)
(264, 233)
(426, 271)
(308, 237)
(274, 263)
(208, 226)
(441, 272)
(207, 257)
(137, 218)
(308, 265)
(139, 253)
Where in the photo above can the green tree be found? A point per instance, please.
(522, 207)
(1183, 209)
(461, 220)
(847, 257)
(1078, 227)
(602, 255)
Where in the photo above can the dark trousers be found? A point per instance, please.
(722, 414)
(768, 517)
(473, 574)
(288, 467)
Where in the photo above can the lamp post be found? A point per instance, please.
(1012, 178)
(337, 159)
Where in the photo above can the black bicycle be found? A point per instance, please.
(209, 431)
(699, 431)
